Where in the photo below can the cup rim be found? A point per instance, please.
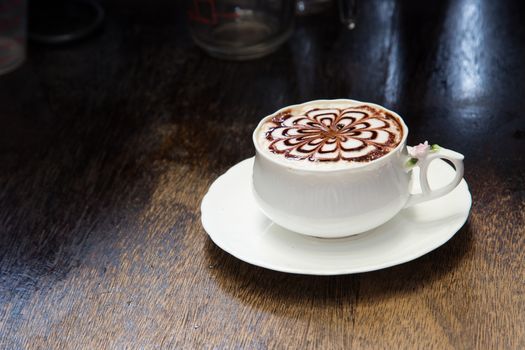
(360, 167)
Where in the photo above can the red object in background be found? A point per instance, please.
(205, 11)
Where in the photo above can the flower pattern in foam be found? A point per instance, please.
(360, 133)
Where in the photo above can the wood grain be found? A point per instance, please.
(107, 147)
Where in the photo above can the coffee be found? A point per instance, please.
(342, 167)
(331, 133)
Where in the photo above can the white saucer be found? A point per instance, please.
(233, 221)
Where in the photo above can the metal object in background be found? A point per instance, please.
(12, 34)
(347, 9)
(240, 29)
(348, 13)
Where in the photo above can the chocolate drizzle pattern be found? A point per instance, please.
(356, 134)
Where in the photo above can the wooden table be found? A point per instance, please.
(108, 146)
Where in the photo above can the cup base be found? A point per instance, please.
(342, 227)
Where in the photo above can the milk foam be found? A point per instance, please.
(329, 134)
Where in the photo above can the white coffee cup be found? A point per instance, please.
(336, 202)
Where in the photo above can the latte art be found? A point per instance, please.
(358, 133)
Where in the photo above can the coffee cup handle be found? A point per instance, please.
(423, 160)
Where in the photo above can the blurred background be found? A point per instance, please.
(117, 115)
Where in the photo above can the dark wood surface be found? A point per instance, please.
(107, 147)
